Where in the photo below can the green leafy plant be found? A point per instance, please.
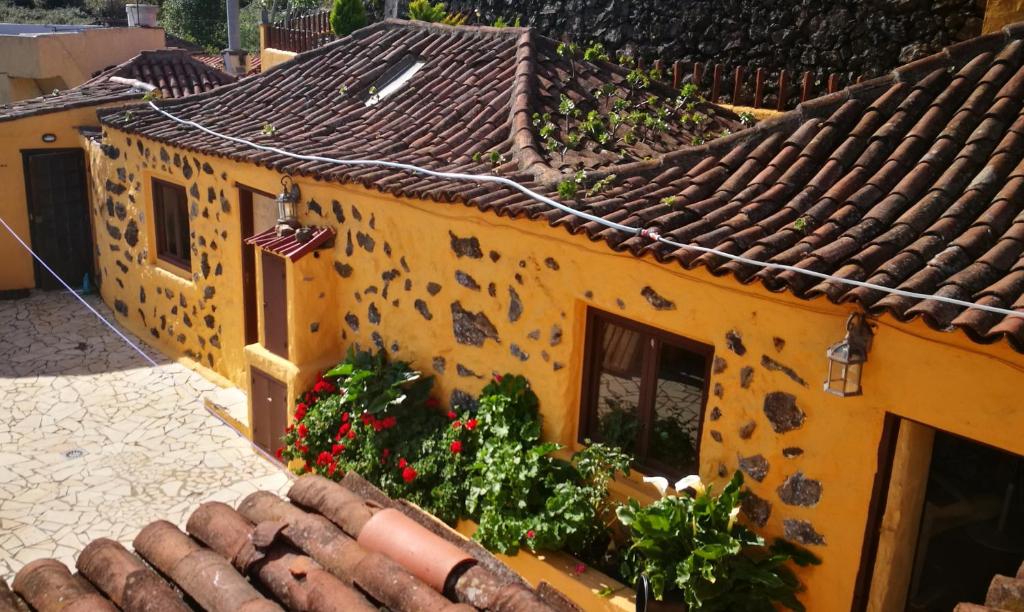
(372, 384)
(153, 94)
(800, 224)
(268, 129)
(423, 10)
(601, 185)
(694, 546)
(347, 16)
(569, 187)
(595, 52)
(669, 200)
(747, 118)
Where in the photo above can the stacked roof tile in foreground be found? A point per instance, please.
(914, 180)
(315, 552)
(1005, 594)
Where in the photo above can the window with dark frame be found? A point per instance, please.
(170, 212)
(645, 390)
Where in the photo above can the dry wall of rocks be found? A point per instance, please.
(865, 37)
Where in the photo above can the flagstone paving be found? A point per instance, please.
(94, 442)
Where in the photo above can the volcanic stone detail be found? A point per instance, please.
(366, 241)
(779, 343)
(120, 211)
(747, 429)
(207, 168)
(555, 338)
(215, 339)
(802, 532)
(344, 270)
(756, 509)
(492, 290)
(204, 265)
(466, 247)
(194, 191)
(746, 376)
(131, 233)
(314, 207)
(438, 363)
(518, 352)
(339, 212)
(114, 188)
(422, 308)
(353, 321)
(433, 288)
(121, 308)
(466, 280)
(472, 328)
(655, 299)
(389, 275)
(349, 249)
(373, 314)
(774, 366)
(716, 435)
(718, 365)
(208, 292)
(209, 320)
(782, 412)
(142, 295)
(557, 365)
(495, 256)
(515, 305)
(716, 413)
(463, 371)
(534, 334)
(798, 490)
(358, 216)
(551, 263)
(755, 466)
(114, 232)
(110, 151)
(791, 452)
(734, 342)
(460, 400)
(378, 340)
(719, 390)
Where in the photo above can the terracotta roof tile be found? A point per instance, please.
(317, 552)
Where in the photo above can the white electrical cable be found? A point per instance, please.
(500, 180)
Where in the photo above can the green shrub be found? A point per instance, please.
(202, 22)
(423, 10)
(347, 16)
(694, 546)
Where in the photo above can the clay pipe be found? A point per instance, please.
(375, 574)
(48, 586)
(295, 580)
(200, 572)
(111, 567)
(9, 600)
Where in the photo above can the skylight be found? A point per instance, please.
(391, 84)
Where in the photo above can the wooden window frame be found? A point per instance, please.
(653, 339)
(161, 229)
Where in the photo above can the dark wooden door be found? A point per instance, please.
(252, 334)
(269, 410)
(275, 305)
(58, 209)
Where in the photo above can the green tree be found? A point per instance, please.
(347, 16)
(203, 22)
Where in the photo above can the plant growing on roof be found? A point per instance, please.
(569, 187)
(600, 185)
(268, 129)
(595, 52)
(693, 545)
(347, 16)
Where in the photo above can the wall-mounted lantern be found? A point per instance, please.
(846, 358)
(287, 207)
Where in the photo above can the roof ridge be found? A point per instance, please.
(524, 142)
(509, 31)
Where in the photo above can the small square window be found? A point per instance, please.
(645, 391)
(170, 219)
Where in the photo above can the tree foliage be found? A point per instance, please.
(203, 22)
(347, 16)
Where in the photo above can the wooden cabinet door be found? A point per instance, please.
(269, 410)
(275, 305)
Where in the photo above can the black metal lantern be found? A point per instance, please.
(846, 358)
(287, 207)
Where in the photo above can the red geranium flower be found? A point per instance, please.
(471, 424)
(344, 417)
(323, 458)
(344, 428)
(280, 453)
(331, 468)
(456, 424)
(389, 422)
(302, 430)
(452, 415)
(289, 429)
(307, 468)
(497, 378)
(456, 447)
(300, 411)
(408, 474)
(530, 534)
(352, 434)
(337, 449)
(402, 462)
(384, 454)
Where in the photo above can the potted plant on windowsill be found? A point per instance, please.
(689, 551)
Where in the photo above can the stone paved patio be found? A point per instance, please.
(95, 442)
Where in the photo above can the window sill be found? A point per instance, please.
(168, 268)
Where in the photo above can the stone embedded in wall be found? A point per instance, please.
(802, 532)
(466, 280)
(746, 376)
(207, 168)
(518, 352)
(339, 212)
(408, 284)
(121, 308)
(349, 249)
(495, 256)
(344, 270)
(755, 466)
(515, 305)
(211, 195)
(519, 278)
(120, 211)
(779, 343)
(774, 366)
(734, 342)
(422, 308)
(378, 340)
(782, 412)
(747, 429)
(719, 390)
(620, 303)
(555, 337)
(373, 221)
(472, 328)
(366, 241)
(215, 340)
(492, 290)
(718, 365)
(798, 490)
(194, 191)
(791, 452)
(588, 294)
(131, 233)
(389, 275)
(403, 263)
(657, 300)
(110, 151)
(715, 414)
(551, 263)
(186, 169)
(122, 175)
(460, 400)
(373, 314)
(204, 265)
(358, 216)
(142, 295)
(114, 188)
(209, 320)
(387, 245)
(465, 372)
(164, 156)
(557, 365)
(114, 232)
(438, 363)
(466, 247)
(756, 510)
(314, 207)
(716, 435)
(534, 334)
(110, 206)
(353, 321)
(433, 288)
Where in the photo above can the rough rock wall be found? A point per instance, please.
(858, 37)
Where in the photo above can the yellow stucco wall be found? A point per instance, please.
(999, 13)
(70, 57)
(270, 57)
(15, 137)
(388, 250)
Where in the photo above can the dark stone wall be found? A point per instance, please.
(865, 37)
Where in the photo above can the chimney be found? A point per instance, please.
(234, 57)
